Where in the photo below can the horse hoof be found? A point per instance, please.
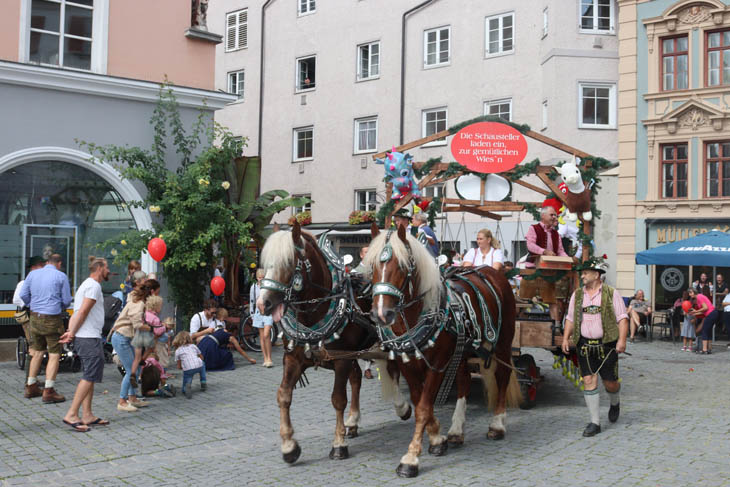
(438, 450)
(293, 455)
(495, 435)
(351, 432)
(339, 453)
(407, 471)
(407, 416)
(455, 440)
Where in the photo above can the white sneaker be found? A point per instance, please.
(126, 407)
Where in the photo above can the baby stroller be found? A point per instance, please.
(112, 308)
(68, 356)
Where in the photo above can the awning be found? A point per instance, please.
(707, 249)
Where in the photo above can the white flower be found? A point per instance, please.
(114, 252)
(202, 182)
(154, 209)
(123, 242)
(203, 264)
(225, 184)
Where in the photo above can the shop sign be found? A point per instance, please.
(674, 233)
(672, 279)
(489, 147)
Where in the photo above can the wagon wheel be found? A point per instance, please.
(528, 382)
(21, 352)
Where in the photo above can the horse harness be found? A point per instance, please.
(342, 308)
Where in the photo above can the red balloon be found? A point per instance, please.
(686, 306)
(157, 249)
(217, 285)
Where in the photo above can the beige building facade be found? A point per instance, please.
(674, 147)
(340, 81)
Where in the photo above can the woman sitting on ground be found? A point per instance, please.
(215, 349)
(486, 253)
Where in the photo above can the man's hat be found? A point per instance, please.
(595, 263)
(36, 260)
(403, 212)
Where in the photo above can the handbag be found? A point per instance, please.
(22, 316)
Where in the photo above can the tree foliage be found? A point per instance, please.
(204, 209)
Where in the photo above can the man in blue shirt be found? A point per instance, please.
(420, 221)
(48, 294)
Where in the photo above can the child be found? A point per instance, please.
(145, 338)
(162, 349)
(154, 379)
(190, 360)
(688, 333)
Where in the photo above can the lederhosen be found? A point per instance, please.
(593, 354)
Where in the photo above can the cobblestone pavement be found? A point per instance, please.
(673, 431)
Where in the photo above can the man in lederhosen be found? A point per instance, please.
(598, 325)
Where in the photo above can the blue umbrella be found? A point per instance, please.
(711, 248)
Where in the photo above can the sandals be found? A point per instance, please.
(98, 422)
(78, 426)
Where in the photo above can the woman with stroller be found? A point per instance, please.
(130, 319)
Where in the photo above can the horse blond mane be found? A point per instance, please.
(429, 277)
(278, 252)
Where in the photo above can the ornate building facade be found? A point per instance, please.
(674, 134)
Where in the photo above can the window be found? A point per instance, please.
(674, 171)
(718, 58)
(368, 61)
(717, 170)
(306, 73)
(366, 135)
(237, 30)
(675, 70)
(61, 33)
(434, 121)
(235, 83)
(303, 143)
(544, 114)
(437, 47)
(301, 209)
(597, 105)
(499, 108)
(545, 22)
(500, 34)
(597, 16)
(365, 200)
(306, 7)
(435, 191)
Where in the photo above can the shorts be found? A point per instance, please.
(259, 320)
(593, 355)
(45, 332)
(91, 353)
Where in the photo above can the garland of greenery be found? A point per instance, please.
(426, 168)
(524, 128)
(384, 210)
(433, 208)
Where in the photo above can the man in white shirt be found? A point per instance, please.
(36, 262)
(84, 329)
(204, 323)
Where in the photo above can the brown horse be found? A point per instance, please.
(407, 284)
(297, 275)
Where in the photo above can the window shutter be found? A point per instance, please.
(243, 28)
(231, 31)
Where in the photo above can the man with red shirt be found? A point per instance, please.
(598, 324)
(706, 316)
(543, 238)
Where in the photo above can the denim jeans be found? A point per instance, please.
(188, 376)
(122, 345)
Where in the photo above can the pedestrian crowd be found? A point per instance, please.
(140, 337)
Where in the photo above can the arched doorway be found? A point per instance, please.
(57, 200)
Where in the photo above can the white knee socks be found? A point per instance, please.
(614, 396)
(593, 402)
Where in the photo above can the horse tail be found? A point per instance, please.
(491, 389)
(388, 385)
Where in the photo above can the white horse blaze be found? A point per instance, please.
(497, 422)
(458, 419)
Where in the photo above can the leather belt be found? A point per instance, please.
(40, 315)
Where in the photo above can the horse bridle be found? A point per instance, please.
(296, 282)
(388, 289)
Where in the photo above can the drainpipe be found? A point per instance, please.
(261, 77)
(402, 65)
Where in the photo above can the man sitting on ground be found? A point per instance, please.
(204, 323)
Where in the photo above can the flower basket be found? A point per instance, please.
(304, 218)
(360, 216)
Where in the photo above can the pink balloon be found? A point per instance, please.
(217, 285)
(157, 249)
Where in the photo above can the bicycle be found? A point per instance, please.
(249, 336)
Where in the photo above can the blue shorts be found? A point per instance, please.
(260, 321)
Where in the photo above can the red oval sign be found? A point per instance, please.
(489, 147)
